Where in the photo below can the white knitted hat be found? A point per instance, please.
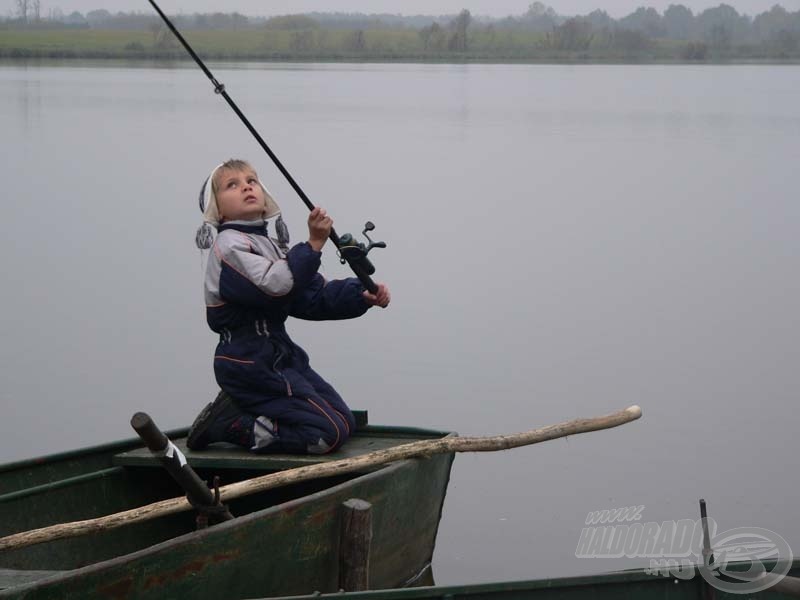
(210, 210)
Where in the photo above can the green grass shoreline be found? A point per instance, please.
(139, 62)
(379, 47)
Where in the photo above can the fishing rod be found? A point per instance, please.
(351, 251)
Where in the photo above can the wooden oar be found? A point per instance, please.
(420, 449)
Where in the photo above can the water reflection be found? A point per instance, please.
(26, 89)
(563, 241)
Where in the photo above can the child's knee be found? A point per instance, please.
(349, 421)
(331, 437)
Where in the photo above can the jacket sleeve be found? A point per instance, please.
(252, 280)
(329, 300)
(303, 263)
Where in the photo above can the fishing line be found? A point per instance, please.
(350, 251)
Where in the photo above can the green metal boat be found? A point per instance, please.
(284, 541)
(636, 584)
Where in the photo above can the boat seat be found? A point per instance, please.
(13, 577)
(226, 456)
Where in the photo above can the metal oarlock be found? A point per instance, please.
(217, 510)
(708, 554)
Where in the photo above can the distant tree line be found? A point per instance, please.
(539, 33)
(720, 28)
(26, 17)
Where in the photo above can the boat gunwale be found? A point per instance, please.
(105, 448)
(60, 483)
(498, 587)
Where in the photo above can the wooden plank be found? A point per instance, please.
(226, 456)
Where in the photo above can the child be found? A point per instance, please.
(271, 399)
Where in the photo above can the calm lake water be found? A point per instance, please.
(564, 241)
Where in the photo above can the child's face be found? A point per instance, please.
(239, 196)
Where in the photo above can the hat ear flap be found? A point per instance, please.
(271, 208)
(208, 201)
(202, 199)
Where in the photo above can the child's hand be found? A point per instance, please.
(319, 228)
(381, 298)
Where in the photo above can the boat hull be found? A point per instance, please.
(288, 548)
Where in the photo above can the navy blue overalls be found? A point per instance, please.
(251, 288)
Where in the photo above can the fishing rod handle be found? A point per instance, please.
(365, 280)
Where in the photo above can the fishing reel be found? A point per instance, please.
(355, 252)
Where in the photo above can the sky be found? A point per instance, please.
(497, 8)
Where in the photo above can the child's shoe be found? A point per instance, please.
(213, 423)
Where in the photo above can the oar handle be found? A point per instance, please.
(175, 463)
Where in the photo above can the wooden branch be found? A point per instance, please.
(419, 449)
